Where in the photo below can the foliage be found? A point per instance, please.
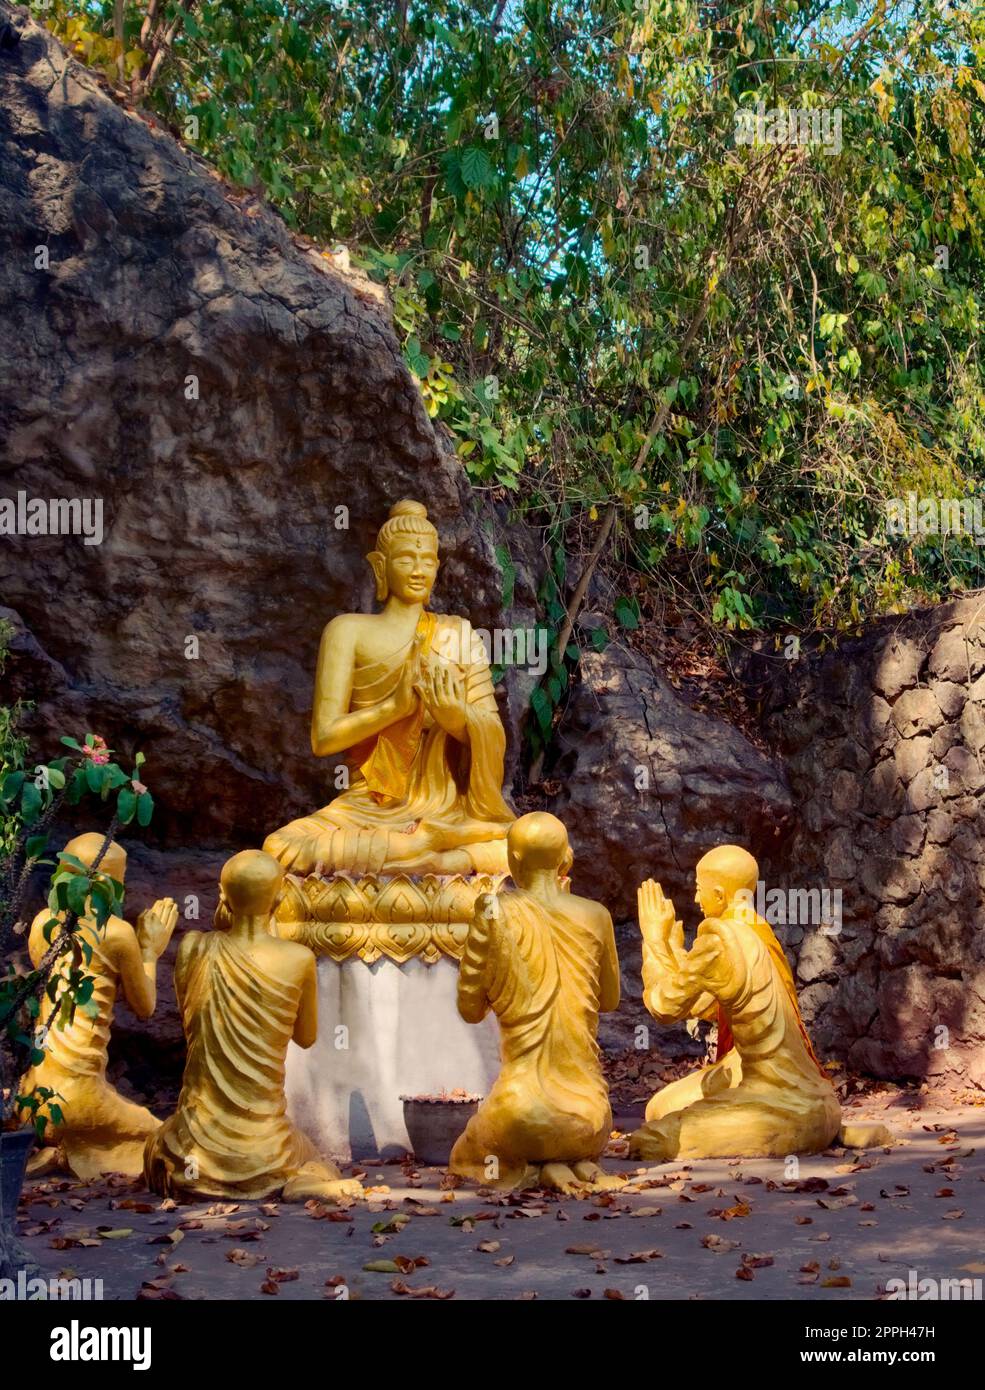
(706, 363)
(77, 895)
(13, 744)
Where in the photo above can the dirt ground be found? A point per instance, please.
(837, 1226)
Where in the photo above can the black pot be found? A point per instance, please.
(15, 1145)
(434, 1125)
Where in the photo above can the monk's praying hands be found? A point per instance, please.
(156, 925)
(661, 931)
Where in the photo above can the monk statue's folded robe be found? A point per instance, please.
(101, 1131)
(230, 1136)
(540, 974)
(415, 792)
(767, 1095)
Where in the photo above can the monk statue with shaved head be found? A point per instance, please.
(766, 1094)
(244, 995)
(544, 961)
(100, 1130)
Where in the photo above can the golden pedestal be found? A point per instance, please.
(399, 916)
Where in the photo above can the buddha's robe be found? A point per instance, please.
(768, 1094)
(414, 791)
(540, 973)
(230, 1136)
(101, 1131)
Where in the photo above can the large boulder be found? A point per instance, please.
(239, 408)
(648, 784)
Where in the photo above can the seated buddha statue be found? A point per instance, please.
(244, 995)
(766, 1094)
(100, 1130)
(406, 696)
(381, 881)
(544, 961)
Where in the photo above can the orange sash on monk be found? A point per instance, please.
(766, 935)
(388, 766)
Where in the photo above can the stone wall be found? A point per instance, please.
(882, 741)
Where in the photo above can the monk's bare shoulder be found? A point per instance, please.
(290, 953)
(714, 929)
(591, 913)
(191, 943)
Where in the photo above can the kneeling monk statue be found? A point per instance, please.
(766, 1095)
(545, 962)
(100, 1131)
(244, 995)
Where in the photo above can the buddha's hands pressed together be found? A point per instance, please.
(155, 926)
(444, 695)
(409, 688)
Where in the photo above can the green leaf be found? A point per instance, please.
(543, 710)
(145, 808)
(126, 804)
(30, 803)
(509, 575)
(627, 612)
(11, 785)
(477, 170)
(78, 894)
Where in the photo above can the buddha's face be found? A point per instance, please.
(411, 567)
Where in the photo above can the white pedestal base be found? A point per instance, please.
(403, 1036)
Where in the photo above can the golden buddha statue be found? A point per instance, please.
(381, 882)
(244, 995)
(545, 962)
(100, 1131)
(407, 696)
(766, 1095)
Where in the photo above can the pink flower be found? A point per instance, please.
(98, 751)
(138, 786)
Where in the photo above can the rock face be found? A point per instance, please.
(883, 740)
(242, 413)
(649, 784)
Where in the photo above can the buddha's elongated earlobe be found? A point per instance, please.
(377, 560)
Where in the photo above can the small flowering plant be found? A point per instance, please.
(33, 800)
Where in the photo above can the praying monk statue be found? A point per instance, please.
(244, 996)
(545, 962)
(766, 1095)
(407, 696)
(100, 1131)
(382, 880)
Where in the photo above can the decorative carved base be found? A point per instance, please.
(400, 916)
